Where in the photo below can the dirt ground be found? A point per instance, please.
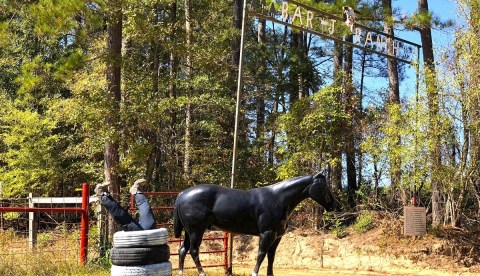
(380, 251)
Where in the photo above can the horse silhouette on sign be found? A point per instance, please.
(262, 212)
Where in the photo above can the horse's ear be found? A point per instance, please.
(318, 175)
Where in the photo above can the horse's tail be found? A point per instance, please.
(177, 223)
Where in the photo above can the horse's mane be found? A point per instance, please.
(289, 182)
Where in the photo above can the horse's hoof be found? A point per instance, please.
(202, 274)
(180, 272)
(254, 274)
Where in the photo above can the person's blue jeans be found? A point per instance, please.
(127, 222)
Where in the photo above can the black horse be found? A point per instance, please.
(261, 212)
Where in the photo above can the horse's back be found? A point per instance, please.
(207, 196)
(228, 209)
(200, 195)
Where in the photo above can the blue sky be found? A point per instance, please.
(443, 9)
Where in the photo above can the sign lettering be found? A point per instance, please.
(303, 17)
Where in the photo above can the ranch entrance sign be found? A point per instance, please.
(302, 17)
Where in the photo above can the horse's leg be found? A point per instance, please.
(195, 241)
(271, 255)
(182, 252)
(266, 240)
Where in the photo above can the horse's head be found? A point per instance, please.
(320, 192)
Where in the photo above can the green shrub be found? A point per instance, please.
(364, 222)
(436, 230)
(44, 239)
(339, 230)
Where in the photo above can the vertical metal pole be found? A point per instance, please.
(84, 224)
(225, 256)
(237, 120)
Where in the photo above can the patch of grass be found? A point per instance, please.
(42, 263)
(56, 253)
(364, 222)
(436, 231)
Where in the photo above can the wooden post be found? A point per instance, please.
(32, 224)
(102, 229)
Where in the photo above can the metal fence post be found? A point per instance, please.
(32, 224)
(84, 224)
(225, 247)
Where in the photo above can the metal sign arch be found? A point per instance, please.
(330, 26)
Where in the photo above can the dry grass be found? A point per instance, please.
(56, 253)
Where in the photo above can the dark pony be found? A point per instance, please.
(262, 212)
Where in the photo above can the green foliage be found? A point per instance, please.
(45, 239)
(337, 227)
(31, 152)
(364, 222)
(10, 216)
(436, 230)
(409, 123)
(309, 133)
(427, 19)
(339, 230)
(41, 56)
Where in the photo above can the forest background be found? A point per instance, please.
(114, 90)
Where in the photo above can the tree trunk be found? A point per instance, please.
(280, 55)
(295, 71)
(376, 177)
(187, 169)
(271, 140)
(302, 51)
(262, 87)
(151, 160)
(172, 94)
(433, 107)
(336, 176)
(393, 102)
(237, 24)
(360, 119)
(349, 126)
(473, 101)
(114, 95)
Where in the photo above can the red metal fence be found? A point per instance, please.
(61, 227)
(162, 205)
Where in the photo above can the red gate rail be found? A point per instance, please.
(84, 218)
